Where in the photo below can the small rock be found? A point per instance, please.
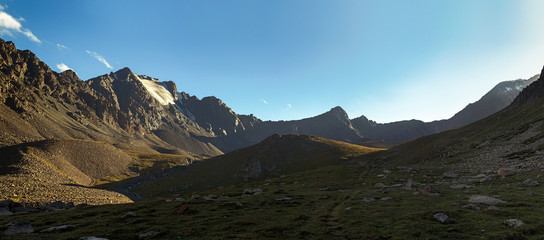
(409, 184)
(347, 209)
(470, 207)
(129, 214)
(379, 185)
(513, 223)
(238, 204)
(58, 228)
(381, 175)
(481, 175)
(252, 191)
(5, 211)
(179, 199)
(16, 227)
(369, 199)
(416, 193)
(485, 200)
(492, 208)
(503, 172)
(386, 171)
(428, 190)
(459, 186)
(449, 174)
(441, 217)
(195, 196)
(329, 188)
(284, 199)
(92, 238)
(530, 183)
(148, 234)
(386, 198)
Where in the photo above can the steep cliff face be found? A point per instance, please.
(121, 108)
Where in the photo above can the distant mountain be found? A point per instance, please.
(509, 138)
(140, 112)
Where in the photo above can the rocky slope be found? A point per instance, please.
(37, 103)
(511, 138)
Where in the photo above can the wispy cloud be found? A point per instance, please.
(289, 105)
(10, 26)
(264, 101)
(62, 67)
(62, 47)
(99, 58)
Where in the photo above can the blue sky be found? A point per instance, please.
(281, 60)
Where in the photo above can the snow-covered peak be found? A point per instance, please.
(156, 89)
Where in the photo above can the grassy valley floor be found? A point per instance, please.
(339, 201)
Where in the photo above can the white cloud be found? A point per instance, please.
(289, 105)
(61, 47)
(2, 7)
(62, 67)
(264, 101)
(99, 58)
(9, 25)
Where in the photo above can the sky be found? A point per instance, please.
(291, 59)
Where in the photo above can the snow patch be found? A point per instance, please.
(508, 89)
(519, 87)
(157, 91)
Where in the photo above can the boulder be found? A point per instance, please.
(16, 227)
(441, 217)
(449, 174)
(503, 172)
(485, 200)
(513, 223)
(58, 228)
(530, 183)
(5, 211)
(148, 234)
(428, 190)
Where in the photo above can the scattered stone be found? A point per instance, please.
(347, 209)
(441, 217)
(16, 227)
(485, 200)
(386, 171)
(381, 175)
(471, 207)
(459, 186)
(58, 228)
(284, 199)
(409, 184)
(503, 172)
(369, 199)
(449, 174)
(179, 199)
(530, 183)
(386, 198)
(279, 191)
(416, 193)
(481, 175)
(238, 204)
(252, 191)
(328, 188)
(148, 234)
(513, 223)
(5, 211)
(428, 190)
(92, 238)
(195, 197)
(492, 208)
(129, 214)
(379, 185)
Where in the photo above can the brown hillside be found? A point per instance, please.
(275, 156)
(60, 169)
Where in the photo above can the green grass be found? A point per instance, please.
(315, 212)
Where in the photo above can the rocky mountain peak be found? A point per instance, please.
(531, 93)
